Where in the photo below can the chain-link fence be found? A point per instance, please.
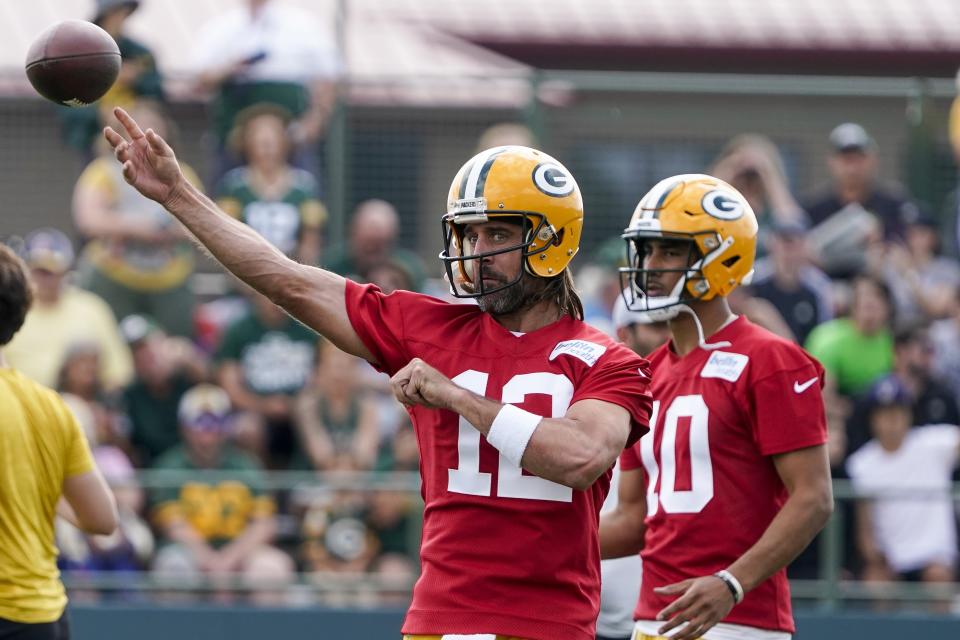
(618, 133)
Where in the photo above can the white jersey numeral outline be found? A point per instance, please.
(511, 483)
(691, 500)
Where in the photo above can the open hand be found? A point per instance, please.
(149, 163)
(420, 384)
(703, 602)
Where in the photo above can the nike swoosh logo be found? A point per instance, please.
(800, 388)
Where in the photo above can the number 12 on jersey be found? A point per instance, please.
(511, 483)
(691, 500)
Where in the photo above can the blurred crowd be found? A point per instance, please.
(229, 388)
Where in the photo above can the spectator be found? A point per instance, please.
(79, 383)
(138, 257)
(336, 535)
(921, 280)
(268, 52)
(752, 164)
(933, 401)
(264, 360)
(905, 536)
(791, 283)
(165, 368)
(267, 193)
(335, 417)
(400, 452)
(392, 276)
(130, 547)
(212, 528)
(373, 236)
(64, 315)
(857, 350)
(945, 340)
(139, 78)
(849, 214)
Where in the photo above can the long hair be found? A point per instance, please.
(561, 290)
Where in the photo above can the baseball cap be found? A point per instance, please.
(915, 216)
(889, 391)
(790, 228)
(48, 249)
(103, 7)
(136, 327)
(205, 406)
(850, 136)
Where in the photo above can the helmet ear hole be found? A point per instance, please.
(732, 260)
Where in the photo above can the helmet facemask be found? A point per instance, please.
(459, 261)
(635, 278)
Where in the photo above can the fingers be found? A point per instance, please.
(674, 607)
(129, 173)
(158, 144)
(114, 138)
(676, 587)
(133, 129)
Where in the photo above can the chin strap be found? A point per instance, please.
(701, 340)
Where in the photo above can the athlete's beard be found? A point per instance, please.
(511, 299)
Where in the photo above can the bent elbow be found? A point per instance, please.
(105, 525)
(826, 508)
(587, 470)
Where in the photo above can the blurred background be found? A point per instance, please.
(264, 473)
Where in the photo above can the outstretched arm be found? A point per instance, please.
(313, 296)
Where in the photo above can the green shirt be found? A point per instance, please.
(273, 359)
(153, 418)
(280, 220)
(855, 360)
(221, 510)
(234, 97)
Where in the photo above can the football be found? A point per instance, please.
(73, 63)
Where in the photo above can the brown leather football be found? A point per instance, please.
(73, 63)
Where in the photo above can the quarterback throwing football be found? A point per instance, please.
(520, 408)
(732, 481)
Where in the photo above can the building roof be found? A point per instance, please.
(438, 50)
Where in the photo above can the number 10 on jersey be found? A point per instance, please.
(674, 500)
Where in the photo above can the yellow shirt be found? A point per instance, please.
(38, 349)
(41, 444)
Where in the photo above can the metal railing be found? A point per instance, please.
(833, 590)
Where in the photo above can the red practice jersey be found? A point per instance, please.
(503, 551)
(712, 488)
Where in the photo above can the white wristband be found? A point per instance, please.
(736, 589)
(511, 432)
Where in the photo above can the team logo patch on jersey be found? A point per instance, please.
(585, 350)
(726, 366)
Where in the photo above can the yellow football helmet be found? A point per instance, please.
(718, 223)
(521, 184)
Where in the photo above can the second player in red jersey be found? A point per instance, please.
(732, 481)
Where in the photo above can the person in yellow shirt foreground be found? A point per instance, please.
(45, 469)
